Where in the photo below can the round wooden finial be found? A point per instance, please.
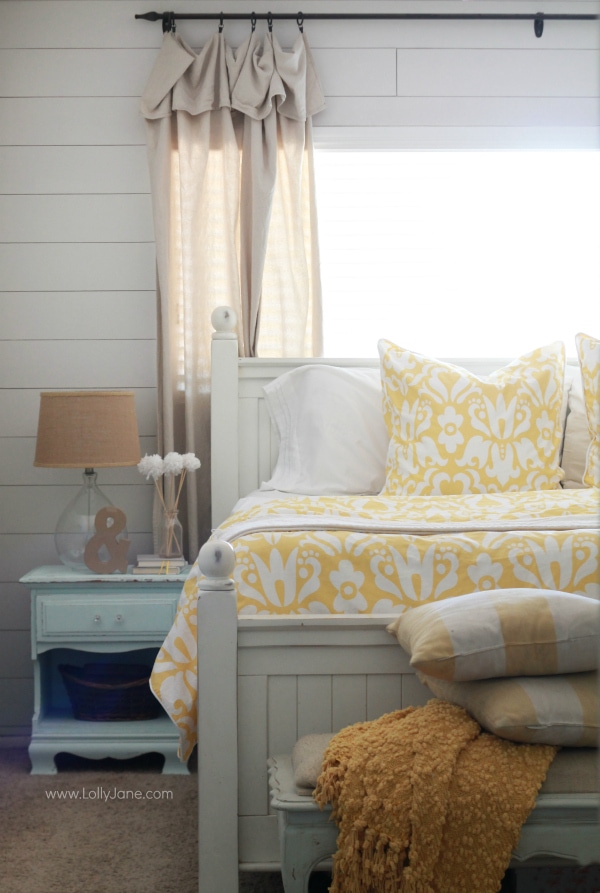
(216, 559)
(224, 319)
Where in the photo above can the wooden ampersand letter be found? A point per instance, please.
(107, 536)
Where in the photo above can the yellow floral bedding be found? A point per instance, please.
(375, 554)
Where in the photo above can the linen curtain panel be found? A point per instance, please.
(232, 178)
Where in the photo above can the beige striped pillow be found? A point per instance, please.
(505, 632)
(558, 710)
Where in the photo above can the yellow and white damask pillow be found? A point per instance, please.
(454, 432)
(588, 351)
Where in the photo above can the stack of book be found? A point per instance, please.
(154, 564)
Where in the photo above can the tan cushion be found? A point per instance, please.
(558, 710)
(574, 770)
(307, 758)
(506, 632)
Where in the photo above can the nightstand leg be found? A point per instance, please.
(42, 758)
(173, 765)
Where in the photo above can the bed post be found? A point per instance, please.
(217, 722)
(224, 414)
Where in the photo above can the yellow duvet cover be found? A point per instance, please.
(382, 555)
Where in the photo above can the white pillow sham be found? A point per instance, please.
(332, 434)
(577, 438)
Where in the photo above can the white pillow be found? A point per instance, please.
(577, 438)
(332, 436)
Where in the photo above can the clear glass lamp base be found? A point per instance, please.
(76, 525)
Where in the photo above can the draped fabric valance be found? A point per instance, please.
(249, 79)
(230, 152)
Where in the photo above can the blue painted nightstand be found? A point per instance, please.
(77, 618)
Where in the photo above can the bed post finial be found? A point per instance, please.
(216, 561)
(224, 320)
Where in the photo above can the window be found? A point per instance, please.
(458, 254)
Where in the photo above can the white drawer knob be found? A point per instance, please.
(119, 618)
(97, 618)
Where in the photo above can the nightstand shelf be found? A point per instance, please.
(79, 618)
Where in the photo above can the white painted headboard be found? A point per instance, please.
(244, 444)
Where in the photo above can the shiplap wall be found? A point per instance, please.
(77, 306)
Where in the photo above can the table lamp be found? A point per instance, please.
(85, 429)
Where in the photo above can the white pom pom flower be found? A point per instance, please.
(190, 462)
(151, 466)
(173, 463)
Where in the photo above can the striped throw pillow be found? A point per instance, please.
(557, 710)
(504, 632)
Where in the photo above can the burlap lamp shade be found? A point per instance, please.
(86, 429)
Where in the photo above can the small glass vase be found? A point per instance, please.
(170, 536)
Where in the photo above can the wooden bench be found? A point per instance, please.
(562, 829)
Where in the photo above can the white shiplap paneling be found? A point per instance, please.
(76, 218)
(68, 266)
(59, 365)
(73, 170)
(69, 121)
(70, 72)
(498, 72)
(74, 315)
(464, 111)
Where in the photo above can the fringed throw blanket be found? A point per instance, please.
(426, 802)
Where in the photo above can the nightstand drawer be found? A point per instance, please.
(130, 618)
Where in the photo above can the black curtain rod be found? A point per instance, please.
(538, 18)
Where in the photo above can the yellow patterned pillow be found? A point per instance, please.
(588, 351)
(455, 432)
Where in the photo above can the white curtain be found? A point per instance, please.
(231, 166)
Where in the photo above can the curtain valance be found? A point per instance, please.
(250, 79)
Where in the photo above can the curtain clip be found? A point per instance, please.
(300, 22)
(253, 20)
(168, 22)
(221, 23)
(270, 21)
(538, 24)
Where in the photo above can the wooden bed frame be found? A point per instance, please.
(265, 681)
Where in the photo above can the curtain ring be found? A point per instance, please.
(253, 20)
(300, 22)
(221, 23)
(270, 21)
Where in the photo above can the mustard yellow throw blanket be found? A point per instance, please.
(426, 802)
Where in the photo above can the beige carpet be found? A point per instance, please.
(114, 845)
(97, 841)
